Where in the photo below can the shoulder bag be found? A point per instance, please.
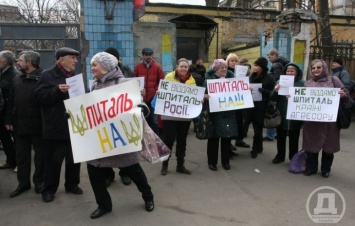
(205, 126)
(272, 117)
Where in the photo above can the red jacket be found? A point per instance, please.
(152, 76)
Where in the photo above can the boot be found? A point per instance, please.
(180, 168)
(164, 168)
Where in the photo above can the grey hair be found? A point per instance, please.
(31, 56)
(273, 51)
(8, 56)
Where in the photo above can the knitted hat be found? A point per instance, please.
(64, 51)
(218, 63)
(338, 60)
(113, 52)
(262, 62)
(107, 61)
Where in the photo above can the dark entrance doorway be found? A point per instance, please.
(187, 48)
(194, 34)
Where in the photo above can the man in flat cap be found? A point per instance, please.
(341, 72)
(51, 91)
(152, 74)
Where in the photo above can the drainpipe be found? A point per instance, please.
(217, 43)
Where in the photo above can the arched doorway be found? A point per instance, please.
(193, 36)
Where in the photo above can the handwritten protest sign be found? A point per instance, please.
(140, 81)
(313, 104)
(179, 100)
(105, 122)
(255, 93)
(229, 94)
(76, 85)
(241, 71)
(285, 82)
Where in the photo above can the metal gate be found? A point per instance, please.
(42, 38)
(340, 49)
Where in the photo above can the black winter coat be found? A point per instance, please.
(224, 122)
(277, 67)
(268, 84)
(282, 102)
(22, 111)
(6, 79)
(51, 99)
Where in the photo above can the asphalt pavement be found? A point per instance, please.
(243, 195)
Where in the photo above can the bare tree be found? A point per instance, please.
(326, 33)
(47, 11)
(213, 3)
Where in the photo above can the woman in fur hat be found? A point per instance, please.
(260, 75)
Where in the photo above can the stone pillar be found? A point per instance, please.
(299, 23)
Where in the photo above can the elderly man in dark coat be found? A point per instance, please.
(51, 92)
(7, 75)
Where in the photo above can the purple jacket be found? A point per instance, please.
(322, 135)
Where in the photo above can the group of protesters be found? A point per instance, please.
(33, 115)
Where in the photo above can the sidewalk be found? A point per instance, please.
(239, 196)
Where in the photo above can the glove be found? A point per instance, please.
(67, 115)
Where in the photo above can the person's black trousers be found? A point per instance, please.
(176, 130)
(258, 137)
(152, 119)
(97, 176)
(8, 145)
(312, 162)
(293, 137)
(24, 145)
(212, 150)
(55, 151)
(240, 121)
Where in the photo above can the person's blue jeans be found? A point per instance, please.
(271, 133)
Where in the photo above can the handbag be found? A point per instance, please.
(204, 128)
(153, 148)
(272, 117)
(298, 162)
(344, 112)
(344, 115)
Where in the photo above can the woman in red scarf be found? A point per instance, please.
(177, 128)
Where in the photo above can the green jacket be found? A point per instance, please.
(224, 122)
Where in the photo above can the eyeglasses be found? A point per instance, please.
(223, 67)
(318, 67)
